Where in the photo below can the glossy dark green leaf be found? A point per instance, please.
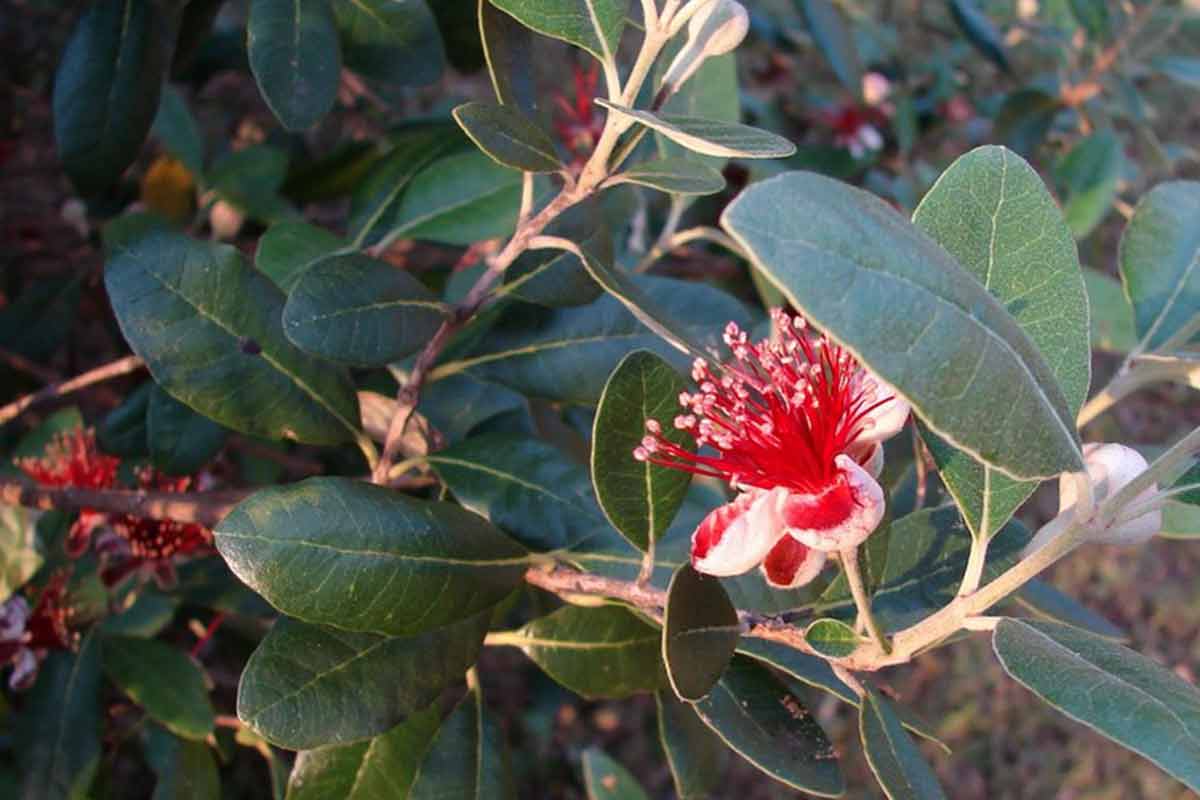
(1088, 175)
(567, 354)
(358, 310)
(206, 323)
(180, 440)
(508, 136)
(1113, 690)
(382, 768)
(150, 612)
(107, 87)
(183, 769)
(709, 137)
(673, 175)
(523, 485)
(177, 129)
(20, 554)
(551, 278)
(460, 199)
(595, 652)
(992, 213)
(639, 498)
(605, 779)
(980, 31)
(360, 557)
(58, 731)
(164, 681)
(307, 686)
(288, 248)
(913, 315)
(1024, 119)
(1160, 262)
(695, 754)
(459, 404)
(1181, 69)
(251, 179)
(508, 47)
(295, 58)
(397, 44)
(376, 204)
(594, 25)
(832, 638)
(835, 39)
(898, 765)
(1112, 317)
(466, 758)
(700, 631)
(1043, 599)
(769, 726)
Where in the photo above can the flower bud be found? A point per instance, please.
(1109, 468)
(715, 29)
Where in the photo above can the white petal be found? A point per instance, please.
(862, 516)
(747, 529)
(1110, 467)
(888, 419)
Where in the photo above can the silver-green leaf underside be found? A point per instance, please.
(709, 137)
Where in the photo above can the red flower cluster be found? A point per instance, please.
(580, 121)
(796, 424)
(127, 544)
(26, 636)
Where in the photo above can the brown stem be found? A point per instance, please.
(23, 364)
(205, 508)
(122, 366)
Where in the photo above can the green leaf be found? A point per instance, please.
(395, 43)
(606, 651)
(566, 354)
(288, 248)
(205, 322)
(184, 770)
(831, 638)
(376, 205)
(835, 39)
(20, 556)
(164, 681)
(123, 431)
(508, 47)
(673, 175)
(1112, 317)
(58, 732)
(895, 761)
(639, 498)
(605, 779)
(1025, 118)
(1160, 262)
(1181, 521)
(808, 669)
(106, 89)
(915, 316)
(177, 129)
(709, 137)
(458, 405)
(524, 486)
(460, 199)
(508, 136)
(980, 31)
(360, 557)
(712, 93)
(382, 768)
(1181, 69)
(307, 686)
(1094, 17)
(1113, 690)
(700, 631)
(251, 180)
(1046, 601)
(694, 753)
(294, 55)
(1088, 175)
(594, 25)
(150, 612)
(764, 723)
(992, 213)
(180, 440)
(357, 310)
(551, 278)
(467, 757)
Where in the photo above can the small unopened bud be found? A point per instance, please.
(226, 221)
(715, 29)
(1109, 468)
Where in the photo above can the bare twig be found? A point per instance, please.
(122, 366)
(205, 508)
(23, 364)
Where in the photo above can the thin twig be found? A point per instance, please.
(122, 366)
(205, 508)
(23, 364)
